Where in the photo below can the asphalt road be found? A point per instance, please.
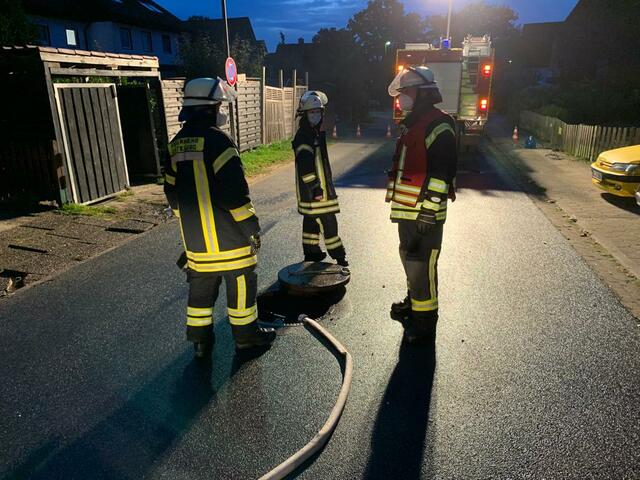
(535, 373)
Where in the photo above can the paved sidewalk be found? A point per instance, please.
(611, 221)
(35, 246)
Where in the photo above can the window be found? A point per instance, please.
(125, 39)
(44, 38)
(147, 41)
(166, 44)
(72, 37)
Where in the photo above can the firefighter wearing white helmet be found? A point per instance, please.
(316, 194)
(419, 185)
(207, 190)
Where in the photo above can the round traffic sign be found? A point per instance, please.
(231, 71)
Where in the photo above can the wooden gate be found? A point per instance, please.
(93, 143)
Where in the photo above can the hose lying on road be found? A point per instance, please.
(322, 437)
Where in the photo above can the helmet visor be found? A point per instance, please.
(410, 77)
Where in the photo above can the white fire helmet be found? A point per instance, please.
(312, 100)
(420, 77)
(208, 91)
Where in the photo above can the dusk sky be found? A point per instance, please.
(303, 18)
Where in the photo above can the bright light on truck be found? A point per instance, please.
(484, 104)
(486, 70)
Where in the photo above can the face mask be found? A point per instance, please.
(406, 102)
(222, 119)
(314, 118)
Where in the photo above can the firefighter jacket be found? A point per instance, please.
(424, 166)
(313, 173)
(206, 188)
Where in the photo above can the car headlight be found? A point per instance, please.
(625, 167)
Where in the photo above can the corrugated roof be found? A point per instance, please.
(88, 56)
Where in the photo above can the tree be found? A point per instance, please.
(203, 52)
(338, 66)
(476, 19)
(379, 30)
(201, 56)
(249, 57)
(15, 27)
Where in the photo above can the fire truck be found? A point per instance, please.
(464, 76)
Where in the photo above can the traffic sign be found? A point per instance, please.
(231, 71)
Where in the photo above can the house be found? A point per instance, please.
(289, 57)
(597, 38)
(140, 27)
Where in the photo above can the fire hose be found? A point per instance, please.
(322, 437)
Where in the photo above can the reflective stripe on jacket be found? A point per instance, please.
(424, 166)
(313, 173)
(205, 185)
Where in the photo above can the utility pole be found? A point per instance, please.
(232, 123)
(448, 19)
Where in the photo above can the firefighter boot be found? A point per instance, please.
(252, 336)
(342, 261)
(315, 257)
(400, 311)
(420, 331)
(204, 349)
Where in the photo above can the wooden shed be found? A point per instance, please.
(76, 125)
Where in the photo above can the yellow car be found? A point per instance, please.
(618, 171)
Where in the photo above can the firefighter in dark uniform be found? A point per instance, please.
(316, 194)
(420, 183)
(207, 190)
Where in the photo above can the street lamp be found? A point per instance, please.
(387, 44)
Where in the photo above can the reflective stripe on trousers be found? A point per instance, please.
(242, 289)
(419, 255)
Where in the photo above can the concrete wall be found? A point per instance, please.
(105, 37)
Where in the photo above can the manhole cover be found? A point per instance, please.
(313, 277)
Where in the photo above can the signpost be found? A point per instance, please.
(232, 122)
(231, 71)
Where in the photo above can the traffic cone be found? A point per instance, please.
(515, 135)
(358, 133)
(388, 131)
(335, 132)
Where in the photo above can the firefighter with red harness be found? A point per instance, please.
(420, 184)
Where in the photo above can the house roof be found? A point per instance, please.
(144, 13)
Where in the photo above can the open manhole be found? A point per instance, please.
(281, 307)
(11, 280)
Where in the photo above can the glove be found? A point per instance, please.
(426, 221)
(256, 243)
(318, 193)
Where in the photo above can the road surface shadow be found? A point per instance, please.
(475, 172)
(132, 440)
(623, 203)
(398, 443)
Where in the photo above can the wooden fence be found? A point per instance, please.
(263, 114)
(582, 141)
(33, 177)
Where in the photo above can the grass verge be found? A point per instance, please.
(76, 209)
(259, 160)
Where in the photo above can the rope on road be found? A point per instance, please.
(322, 437)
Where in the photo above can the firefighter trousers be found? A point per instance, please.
(419, 255)
(242, 289)
(325, 226)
